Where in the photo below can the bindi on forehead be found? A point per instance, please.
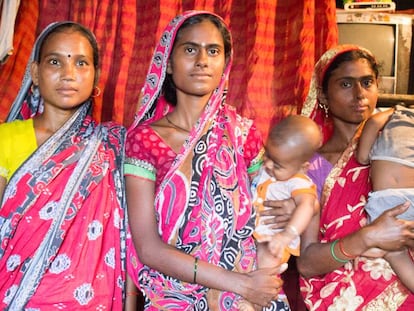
(69, 55)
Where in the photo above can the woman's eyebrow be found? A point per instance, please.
(202, 45)
(356, 78)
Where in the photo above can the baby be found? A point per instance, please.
(387, 143)
(290, 146)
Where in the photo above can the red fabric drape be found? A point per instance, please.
(276, 44)
(11, 73)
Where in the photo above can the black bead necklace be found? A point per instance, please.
(175, 125)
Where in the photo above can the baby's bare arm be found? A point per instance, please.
(403, 266)
(369, 134)
(307, 206)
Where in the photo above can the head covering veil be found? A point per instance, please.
(152, 107)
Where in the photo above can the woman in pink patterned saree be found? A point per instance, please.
(62, 215)
(188, 155)
(342, 257)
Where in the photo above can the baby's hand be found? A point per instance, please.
(278, 244)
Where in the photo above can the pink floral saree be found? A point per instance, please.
(203, 202)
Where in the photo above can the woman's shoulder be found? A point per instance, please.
(10, 127)
(145, 149)
(144, 140)
(143, 131)
(16, 130)
(318, 161)
(17, 142)
(238, 119)
(242, 124)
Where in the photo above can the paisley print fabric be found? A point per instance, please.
(202, 197)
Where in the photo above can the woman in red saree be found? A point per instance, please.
(341, 258)
(188, 155)
(62, 215)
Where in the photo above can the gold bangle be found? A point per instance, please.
(195, 270)
(346, 254)
(132, 294)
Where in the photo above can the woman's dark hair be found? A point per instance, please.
(346, 57)
(75, 27)
(168, 88)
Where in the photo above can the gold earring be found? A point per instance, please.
(325, 109)
(96, 91)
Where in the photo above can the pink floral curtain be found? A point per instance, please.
(276, 43)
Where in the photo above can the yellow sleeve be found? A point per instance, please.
(17, 143)
(4, 134)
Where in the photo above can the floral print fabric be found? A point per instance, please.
(362, 284)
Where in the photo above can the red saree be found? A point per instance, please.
(367, 284)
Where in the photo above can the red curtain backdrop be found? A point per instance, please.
(276, 43)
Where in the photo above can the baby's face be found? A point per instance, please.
(281, 162)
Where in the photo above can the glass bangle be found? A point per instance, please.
(346, 254)
(333, 253)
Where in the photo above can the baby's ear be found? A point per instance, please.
(305, 166)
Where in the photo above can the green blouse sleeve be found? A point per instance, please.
(139, 168)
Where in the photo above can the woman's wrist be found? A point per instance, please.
(241, 283)
(354, 245)
(344, 250)
(365, 239)
(336, 255)
(231, 281)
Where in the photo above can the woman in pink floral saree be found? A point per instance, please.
(188, 155)
(342, 260)
(62, 225)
